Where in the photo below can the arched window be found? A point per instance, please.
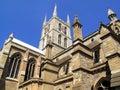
(65, 42)
(117, 30)
(30, 69)
(65, 68)
(59, 39)
(40, 72)
(65, 30)
(102, 84)
(92, 39)
(14, 65)
(59, 27)
(96, 55)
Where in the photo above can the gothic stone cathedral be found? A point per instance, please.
(91, 63)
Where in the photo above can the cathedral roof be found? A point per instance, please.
(21, 43)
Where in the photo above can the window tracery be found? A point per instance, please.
(63, 70)
(29, 69)
(59, 26)
(117, 29)
(14, 65)
(65, 42)
(65, 30)
(59, 39)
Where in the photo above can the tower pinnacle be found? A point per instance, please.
(45, 20)
(76, 21)
(77, 29)
(55, 11)
(110, 12)
(11, 35)
(68, 20)
(112, 15)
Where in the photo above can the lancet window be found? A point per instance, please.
(30, 69)
(14, 65)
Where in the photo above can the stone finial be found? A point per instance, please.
(45, 20)
(112, 15)
(76, 21)
(110, 12)
(9, 39)
(11, 35)
(68, 20)
(55, 11)
(77, 30)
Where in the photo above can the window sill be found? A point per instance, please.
(11, 79)
(98, 63)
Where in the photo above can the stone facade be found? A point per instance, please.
(91, 63)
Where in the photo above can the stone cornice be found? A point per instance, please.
(91, 70)
(62, 52)
(113, 55)
(80, 48)
(63, 79)
(34, 80)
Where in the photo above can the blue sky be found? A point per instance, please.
(25, 17)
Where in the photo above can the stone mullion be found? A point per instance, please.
(28, 71)
(39, 62)
(16, 68)
(31, 70)
(12, 67)
(36, 69)
(93, 56)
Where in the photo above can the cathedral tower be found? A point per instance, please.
(77, 29)
(57, 31)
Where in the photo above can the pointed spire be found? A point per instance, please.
(11, 35)
(77, 29)
(55, 11)
(110, 12)
(9, 39)
(112, 15)
(45, 20)
(68, 20)
(76, 21)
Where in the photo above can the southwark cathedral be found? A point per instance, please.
(63, 63)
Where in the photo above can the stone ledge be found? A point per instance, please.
(11, 79)
(63, 79)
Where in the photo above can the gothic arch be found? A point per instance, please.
(101, 83)
(40, 71)
(30, 69)
(65, 42)
(63, 69)
(14, 65)
(59, 39)
(16, 53)
(59, 26)
(65, 30)
(117, 29)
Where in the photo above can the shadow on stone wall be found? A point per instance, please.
(2, 85)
